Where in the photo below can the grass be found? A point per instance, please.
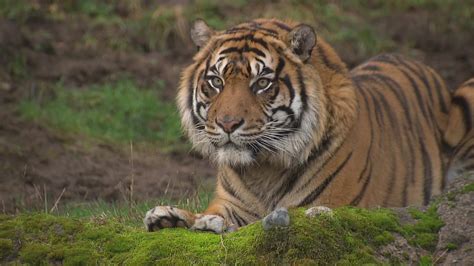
(119, 112)
(132, 213)
(339, 21)
(159, 26)
(350, 236)
(424, 233)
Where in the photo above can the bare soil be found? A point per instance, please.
(35, 160)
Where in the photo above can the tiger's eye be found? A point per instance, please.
(263, 83)
(216, 82)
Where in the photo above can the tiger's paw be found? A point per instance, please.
(167, 217)
(211, 223)
(277, 218)
(317, 211)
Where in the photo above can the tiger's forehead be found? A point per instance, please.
(242, 54)
(249, 48)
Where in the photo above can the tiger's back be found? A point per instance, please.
(403, 112)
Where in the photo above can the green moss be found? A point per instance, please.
(6, 247)
(451, 246)
(35, 253)
(424, 233)
(350, 236)
(425, 261)
(468, 188)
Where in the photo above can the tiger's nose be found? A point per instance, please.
(229, 124)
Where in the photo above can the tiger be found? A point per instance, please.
(459, 135)
(272, 104)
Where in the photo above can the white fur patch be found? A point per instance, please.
(212, 223)
(157, 214)
(233, 156)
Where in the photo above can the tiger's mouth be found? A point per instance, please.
(233, 146)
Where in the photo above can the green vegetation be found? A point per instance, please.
(17, 66)
(425, 261)
(424, 233)
(132, 213)
(119, 112)
(451, 246)
(468, 188)
(349, 24)
(350, 236)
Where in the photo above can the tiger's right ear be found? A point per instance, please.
(302, 39)
(201, 33)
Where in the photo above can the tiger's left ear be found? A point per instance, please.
(302, 39)
(201, 33)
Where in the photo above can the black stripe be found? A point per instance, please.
(280, 66)
(240, 220)
(259, 60)
(421, 76)
(421, 73)
(291, 116)
(466, 111)
(244, 49)
(322, 148)
(361, 194)
(247, 37)
(419, 98)
(302, 90)
(315, 193)
(264, 31)
(368, 164)
(392, 175)
(230, 214)
(371, 68)
(281, 25)
(286, 80)
(228, 188)
(326, 61)
(439, 88)
(396, 89)
(428, 179)
(394, 124)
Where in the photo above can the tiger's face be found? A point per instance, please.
(247, 95)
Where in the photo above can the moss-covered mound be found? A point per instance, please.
(350, 236)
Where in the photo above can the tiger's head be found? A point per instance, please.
(253, 93)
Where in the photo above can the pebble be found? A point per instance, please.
(277, 218)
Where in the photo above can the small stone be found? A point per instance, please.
(318, 210)
(277, 218)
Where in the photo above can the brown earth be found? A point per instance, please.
(35, 160)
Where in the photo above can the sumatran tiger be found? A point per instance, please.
(288, 125)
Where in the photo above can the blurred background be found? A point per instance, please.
(87, 88)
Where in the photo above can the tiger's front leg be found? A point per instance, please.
(169, 217)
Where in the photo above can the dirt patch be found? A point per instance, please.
(456, 238)
(36, 161)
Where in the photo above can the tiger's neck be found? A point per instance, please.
(340, 102)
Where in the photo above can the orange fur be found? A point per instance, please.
(369, 137)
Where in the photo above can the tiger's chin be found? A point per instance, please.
(233, 155)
